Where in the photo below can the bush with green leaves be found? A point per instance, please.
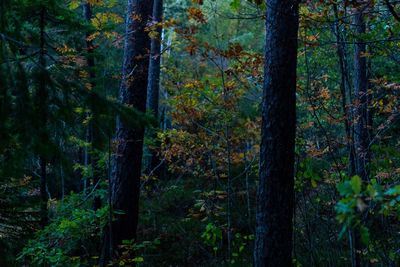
(72, 237)
(368, 208)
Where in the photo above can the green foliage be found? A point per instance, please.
(235, 4)
(130, 249)
(71, 239)
(362, 200)
(212, 236)
(241, 244)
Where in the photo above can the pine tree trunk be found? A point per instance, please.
(41, 106)
(275, 196)
(361, 97)
(153, 93)
(126, 168)
(155, 59)
(92, 133)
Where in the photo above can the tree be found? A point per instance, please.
(345, 89)
(153, 97)
(155, 59)
(275, 196)
(362, 118)
(41, 109)
(126, 169)
(92, 133)
(362, 121)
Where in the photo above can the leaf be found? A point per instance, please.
(345, 189)
(356, 184)
(393, 191)
(101, 19)
(364, 232)
(313, 183)
(344, 207)
(119, 212)
(342, 231)
(138, 259)
(235, 4)
(74, 4)
(196, 14)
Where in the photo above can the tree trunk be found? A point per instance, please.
(275, 196)
(361, 124)
(153, 94)
(3, 81)
(92, 133)
(126, 168)
(41, 106)
(155, 59)
(345, 90)
(361, 114)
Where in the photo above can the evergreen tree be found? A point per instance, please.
(275, 196)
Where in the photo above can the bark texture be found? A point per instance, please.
(41, 110)
(93, 134)
(362, 121)
(345, 88)
(153, 91)
(275, 196)
(126, 168)
(153, 97)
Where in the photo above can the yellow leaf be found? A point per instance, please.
(103, 18)
(74, 4)
(92, 36)
(314, 183)
(138, 259)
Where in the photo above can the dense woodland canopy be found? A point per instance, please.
(199, 133)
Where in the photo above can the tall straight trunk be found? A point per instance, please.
(87, 11)
(126, 168)
(165, 119)
(345, 89)
(361, 124)
(153, 94)
(41, 108)
(247, 165)
(361, 114)
(96, 172)
(3, 99)
(43, 191)
(3, 81)
(153, 91)
(91, 132)
(275, 196)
